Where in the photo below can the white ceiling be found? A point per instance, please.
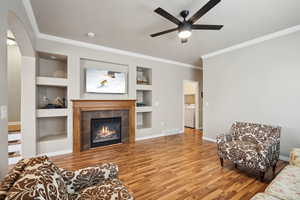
(127, 24)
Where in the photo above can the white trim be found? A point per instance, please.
(254, 41)
(159, 135)
(30, 14)
(56, 153)
(209, 139)
(284, 158)
(112, 50)
(32, 19)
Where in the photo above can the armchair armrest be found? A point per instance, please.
(77, 180)
(295, 157)
(223, 138)
(269, 151)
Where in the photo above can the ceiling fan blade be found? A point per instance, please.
(184, 41)
(203, 11)
(164, 32)
(167, 15)
(206, 27)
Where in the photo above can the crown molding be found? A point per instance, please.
(29, 12)
(254, 41)
(39, 35)
(112, 50)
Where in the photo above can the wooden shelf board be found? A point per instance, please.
(14, 128)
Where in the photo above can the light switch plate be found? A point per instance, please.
(3, 112)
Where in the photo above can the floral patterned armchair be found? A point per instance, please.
(38, 178)
(251, 145)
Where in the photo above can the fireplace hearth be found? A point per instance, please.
(105, 131)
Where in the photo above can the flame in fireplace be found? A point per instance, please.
(105, 131)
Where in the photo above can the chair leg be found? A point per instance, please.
(262, 176)
(235, 165)
(274, 168)
(222, 162)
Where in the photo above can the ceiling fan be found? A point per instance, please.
(185, 27)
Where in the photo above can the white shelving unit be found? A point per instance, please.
(51, 82)
(52, 112)
(48, 81)
(143, 109)
(144, 98)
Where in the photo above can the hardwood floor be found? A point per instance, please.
(177, 167)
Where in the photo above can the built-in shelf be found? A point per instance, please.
(143, 109)
(60, 112)
(49, 81)
(49, 94)
(53, 137)
(144, 87)
(144, 97)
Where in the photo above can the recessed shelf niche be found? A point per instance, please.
(52, 65)
(51, 128)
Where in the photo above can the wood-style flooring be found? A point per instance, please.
(177, 167)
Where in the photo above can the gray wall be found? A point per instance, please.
(14, 83)
(167, 82)
(258, 83)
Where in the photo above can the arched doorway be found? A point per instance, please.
(28, 73)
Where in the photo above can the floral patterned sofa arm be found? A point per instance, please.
(83, 178)
(295, 157)
(223, 138)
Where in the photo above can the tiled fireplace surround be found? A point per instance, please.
(85, 110)
(87, 116)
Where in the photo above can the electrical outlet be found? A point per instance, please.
(162, 123)
(3, 112)
(156, 103)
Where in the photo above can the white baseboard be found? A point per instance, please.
(56, 153)
(209, 139)
(284, 158)
(163, 133)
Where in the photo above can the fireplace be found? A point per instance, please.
(102, 122)
(105, 131)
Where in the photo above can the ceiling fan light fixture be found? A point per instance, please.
(184, 34)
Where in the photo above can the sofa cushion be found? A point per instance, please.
(111, 189)
(23, 186)
(287, 184)
(49, 183)
(263, 196)
(11, 178)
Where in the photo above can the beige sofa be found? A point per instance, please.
(286, 186)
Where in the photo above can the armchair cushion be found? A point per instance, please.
(255, 146)
(83, 178)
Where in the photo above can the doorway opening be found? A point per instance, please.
(14, 60)
(191, 105)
